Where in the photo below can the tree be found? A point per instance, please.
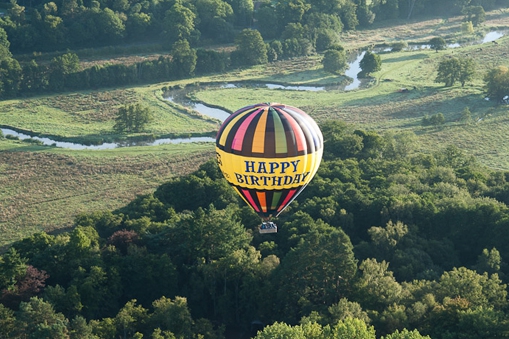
(215, 20)
(467, 27)
(27, 286)
(210, 61)
(348, 15)
(251, 49)
(479, 290)
(406, 334)
(364, 14)
(399, 46)
(437, 119)
(377, 286)
(79, 329)
(325, 38)
(353, 328)
(4, 45)
(466, 115)
(60, 68)
(110, 25)
(129, 318)
(172, 315)
(281, 331)
(346, 309)
(334, 61)
(475, 15)
(266, 16)
(467, 70)
(132, 118)
(290, 11)
(243, 11)
(318, 271)
(10, 77)
(455, 69)
(179, 23)
(497, 83)
(137, 25)
(183, 59)
(437, 43)
(37, 319)
(370, 63)
(7, 322)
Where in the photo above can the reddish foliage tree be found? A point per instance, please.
(123, 239)
(30, 285)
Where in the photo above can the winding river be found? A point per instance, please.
(178, 96)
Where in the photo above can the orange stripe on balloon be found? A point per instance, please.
(261, 199)
(259, 135)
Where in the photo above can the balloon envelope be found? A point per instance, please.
(269, 153)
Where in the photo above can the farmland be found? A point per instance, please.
(44, 188)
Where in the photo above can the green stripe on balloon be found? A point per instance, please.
(279, 132)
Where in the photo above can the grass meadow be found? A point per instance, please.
(43, 188)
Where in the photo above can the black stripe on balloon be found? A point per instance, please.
(308, 133)
(270, 135)
(291, 142)
(269, 196)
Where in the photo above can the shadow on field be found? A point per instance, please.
(406, 57)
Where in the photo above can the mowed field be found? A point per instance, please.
(44, 188)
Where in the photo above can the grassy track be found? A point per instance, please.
(43, 188)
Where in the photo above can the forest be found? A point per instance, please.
(384, 242)
(41, 43)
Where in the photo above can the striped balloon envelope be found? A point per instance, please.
(269, 152)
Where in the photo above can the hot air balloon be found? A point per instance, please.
(269, 152)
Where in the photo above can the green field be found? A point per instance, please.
(43, 188)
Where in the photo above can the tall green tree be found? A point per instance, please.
(10, 77)
(60, 69)
(37, 319)
(215, 19)
(318, 271)
(4, 45)
(179, 23)
(250, 48)
(183, 59)
(291, 11)
(265, 16)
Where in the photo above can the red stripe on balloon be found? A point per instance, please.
(241, 132)
(248, 196)
(288, 197)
